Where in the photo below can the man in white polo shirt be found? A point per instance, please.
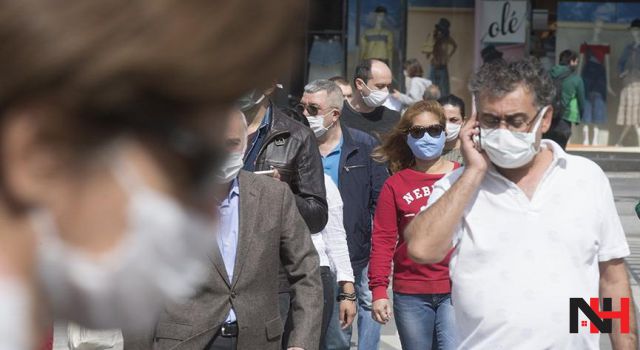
(532, 226)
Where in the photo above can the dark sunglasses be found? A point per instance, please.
(311, 109)
(417, 131)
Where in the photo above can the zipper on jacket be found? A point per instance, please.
(349, 167)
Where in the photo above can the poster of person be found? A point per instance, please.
(377, 30)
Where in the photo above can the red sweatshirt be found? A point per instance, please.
(402, 197)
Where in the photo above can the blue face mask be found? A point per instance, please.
(427, 147)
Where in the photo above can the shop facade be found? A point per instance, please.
(451, 38)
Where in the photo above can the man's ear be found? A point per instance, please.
(547, 119)
(336, 115)
(359, 84)
(26, 166)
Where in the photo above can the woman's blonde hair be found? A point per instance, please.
(394, 149)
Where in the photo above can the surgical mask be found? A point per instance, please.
(230, 168)
(316, 123)
(15, 315)
(250, 100)
(376, 97)
(162, 258)
(453, 130)
(511, 149)
(427, 147)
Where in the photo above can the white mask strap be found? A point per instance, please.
(540, 116)
(127, 176)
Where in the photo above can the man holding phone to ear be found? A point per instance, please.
(520, 255)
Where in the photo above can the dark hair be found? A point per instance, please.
(394, 148)
(497, 79)
(363, 71)
(380, 9)
(567, 56)
(454, 101)
(414, 68)
(431, 93)
(104, 68)
(339, 80)
(490, 53)
(295, 114)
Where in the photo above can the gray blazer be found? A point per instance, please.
(271, 231)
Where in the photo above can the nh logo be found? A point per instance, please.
(601, 320)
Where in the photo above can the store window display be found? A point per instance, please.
(595, 70)
(326, 58)
(377, 42)
(629, 68)
(439, 49)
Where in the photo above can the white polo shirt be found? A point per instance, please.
(518, 261)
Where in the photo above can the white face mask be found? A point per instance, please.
(162, 258)
(15, 315)
(376, 97)
(511, 149)
(316, 123)
(453, 130)
(230, 168)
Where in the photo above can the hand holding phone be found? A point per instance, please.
(470, 136)
(273, 172)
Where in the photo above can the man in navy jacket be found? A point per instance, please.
(346, 157)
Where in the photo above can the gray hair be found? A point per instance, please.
(335, 98)
(496, 79)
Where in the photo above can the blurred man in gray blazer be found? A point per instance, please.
(237, 308)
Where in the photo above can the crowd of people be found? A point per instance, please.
(457, 214)
(146, 189)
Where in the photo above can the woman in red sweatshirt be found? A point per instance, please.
(421, 293)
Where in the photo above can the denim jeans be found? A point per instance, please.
(368, 329)
(421, 317)
(440, 77)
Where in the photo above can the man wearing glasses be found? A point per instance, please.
(346, 157)
(532, 226)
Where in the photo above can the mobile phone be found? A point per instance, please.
(477, 140)
(265, 172)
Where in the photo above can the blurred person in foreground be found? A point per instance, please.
(366, 111)
(109, 139)
(421, 293)
(346, 157)
(454, 110)
(260, 228)
(345, 86)
(519, 255)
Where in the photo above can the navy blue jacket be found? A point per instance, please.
(360, 181)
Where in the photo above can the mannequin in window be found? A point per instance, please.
(377, 42)
(594, 65)
(443, 49)
(629, 68)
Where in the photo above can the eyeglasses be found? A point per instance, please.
(417, 131)
(311, 109)
(514, 122)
